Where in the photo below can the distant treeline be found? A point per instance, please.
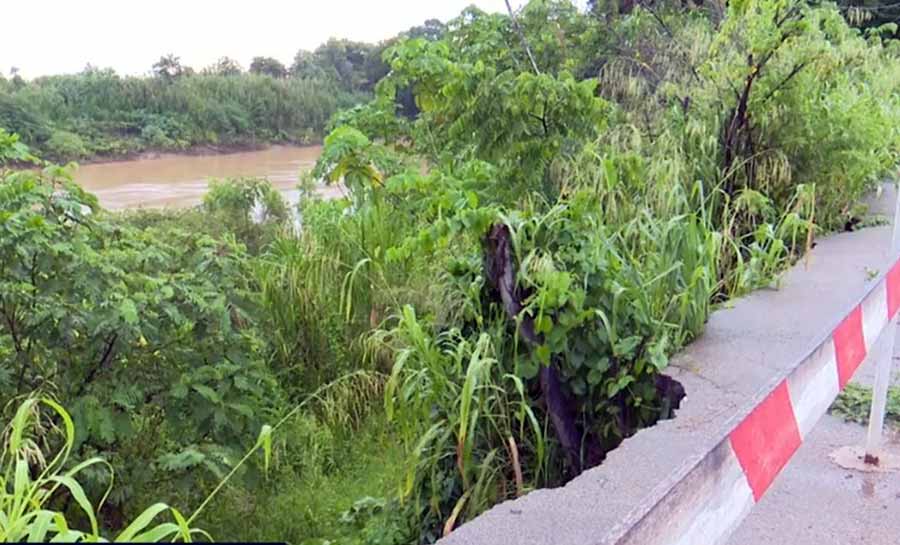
(98, 112)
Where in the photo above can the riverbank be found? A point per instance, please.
(199, 150)
(151, 153)
(195, 114)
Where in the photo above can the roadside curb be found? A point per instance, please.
(757, 381)
(708, 501)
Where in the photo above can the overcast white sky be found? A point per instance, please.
(60, 36)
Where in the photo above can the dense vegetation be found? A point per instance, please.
(100, 113)
(543, 207)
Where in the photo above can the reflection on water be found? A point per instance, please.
(181, 180)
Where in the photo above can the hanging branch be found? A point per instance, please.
(521, 34)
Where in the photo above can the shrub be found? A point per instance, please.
(155, 137)
(248, 207)
(66, 145)
(137, 331)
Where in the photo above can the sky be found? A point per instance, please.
(43, 37)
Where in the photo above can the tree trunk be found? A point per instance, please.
(500, 271)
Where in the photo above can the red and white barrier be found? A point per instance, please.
(720, 489)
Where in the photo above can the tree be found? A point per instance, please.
(268, 66)
(225, 66)
(357, 66)
(432, 30)
(16, 79)
(304, 65)
(169, 67)
(345, 61)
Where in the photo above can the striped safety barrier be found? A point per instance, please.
(717, 492)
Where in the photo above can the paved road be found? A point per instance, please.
(815, 502)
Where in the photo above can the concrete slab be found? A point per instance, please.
(744, 352)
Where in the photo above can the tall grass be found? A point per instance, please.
(467, 424)
(35, 478)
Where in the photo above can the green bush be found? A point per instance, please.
(11, 149)
(136, 331)
(248, 207)
(66, 145)
(155, 137)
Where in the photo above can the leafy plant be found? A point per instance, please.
(11, 149)
(33, 480)
(475, 415)
(137, 331)
(855, 401)
(250, 208)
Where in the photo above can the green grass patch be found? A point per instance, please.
(305, 500)
(854, 402)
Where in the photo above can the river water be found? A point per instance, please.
(181, 180)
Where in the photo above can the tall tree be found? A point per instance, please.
(225, 66)
(431, 30)
(169, 67)
(345, 60)
(304, 65)
(268, 66)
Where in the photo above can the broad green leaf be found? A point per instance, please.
(142, 521)
(128, 310)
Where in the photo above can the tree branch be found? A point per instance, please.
(788, 78)
(521, 34)
(107, 355)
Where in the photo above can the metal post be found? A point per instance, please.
(883, 371)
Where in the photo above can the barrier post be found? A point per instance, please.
(884, 365)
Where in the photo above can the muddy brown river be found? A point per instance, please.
(181, 180)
